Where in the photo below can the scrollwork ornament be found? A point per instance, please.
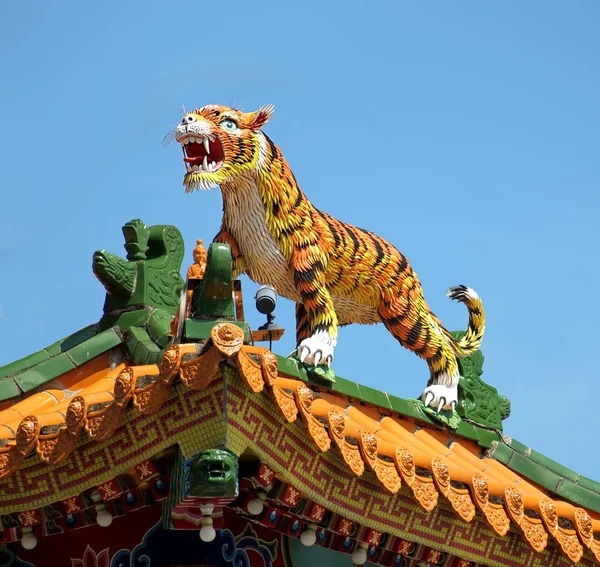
(497, 518)
(388, 475)
(101, 427)
(337, 425)
(55, 450)
(250, 371)
(169, 363)
(286, 404)
(461, 503)
(549, 514)
(123, 385)
(337, 431)
(494, 513)
(514, 502)
(351, 456)
(150, 399)
(534, 533)
(10, 460)
(570, 544)
(481, 490)
(27, 433)
(305, 398)
(197, 373)
(269, 367)
(75, 413)
(594, 547)
(46, 447)
(142, 401)
(441, 474)
(368, 443)
(583, 524)
(406, 464)
(92, 424)
(318, 434)
(425, 493)
(227, 338)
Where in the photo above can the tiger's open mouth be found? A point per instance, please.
(202, 153)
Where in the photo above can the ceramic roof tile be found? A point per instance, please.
(398, 449)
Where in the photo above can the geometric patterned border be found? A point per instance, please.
(226, 414)
(255, 422)
(192, 419)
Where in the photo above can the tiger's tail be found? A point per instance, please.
(471, 340)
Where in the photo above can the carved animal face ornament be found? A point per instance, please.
(219, 144)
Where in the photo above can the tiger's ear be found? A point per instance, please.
(256, 120)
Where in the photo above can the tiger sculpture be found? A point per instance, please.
(337, 274)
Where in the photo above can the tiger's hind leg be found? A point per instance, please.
(302, 324)
(409, 320)
(442, 388)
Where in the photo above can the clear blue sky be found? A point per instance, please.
(467, 133)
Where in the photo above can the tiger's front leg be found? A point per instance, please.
(316, 320)
(312, 348)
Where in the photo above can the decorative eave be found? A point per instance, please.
(432, 463)
(216, 390)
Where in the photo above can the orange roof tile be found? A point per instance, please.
(433, 463)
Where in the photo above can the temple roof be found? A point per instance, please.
(105, 374)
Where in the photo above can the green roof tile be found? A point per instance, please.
(579, 495)
(141, 348)
(375, 397)
(519, 447)
(23, 363)
(501, 452)
(94, 346)
(553, 465)
(533, 471)
(543, 460)
(588, 483)
(125, 320)
(49, 352)
(71, 341)
(346, 387)
(290, 367)
(399, 405)
(44, 372)
(486, 436)
(8, 389)
(200, 330)
(547, 477)
(468, 430)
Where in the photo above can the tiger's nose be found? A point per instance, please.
(188, 119)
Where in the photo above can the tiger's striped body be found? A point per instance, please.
(337, 274)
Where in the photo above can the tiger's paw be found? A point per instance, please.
(440, 397)
(317, 350)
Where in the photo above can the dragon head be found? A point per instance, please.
(219, 144)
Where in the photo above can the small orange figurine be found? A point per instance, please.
(197, 269)
(194, 272)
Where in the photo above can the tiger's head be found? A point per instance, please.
(220, 143)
